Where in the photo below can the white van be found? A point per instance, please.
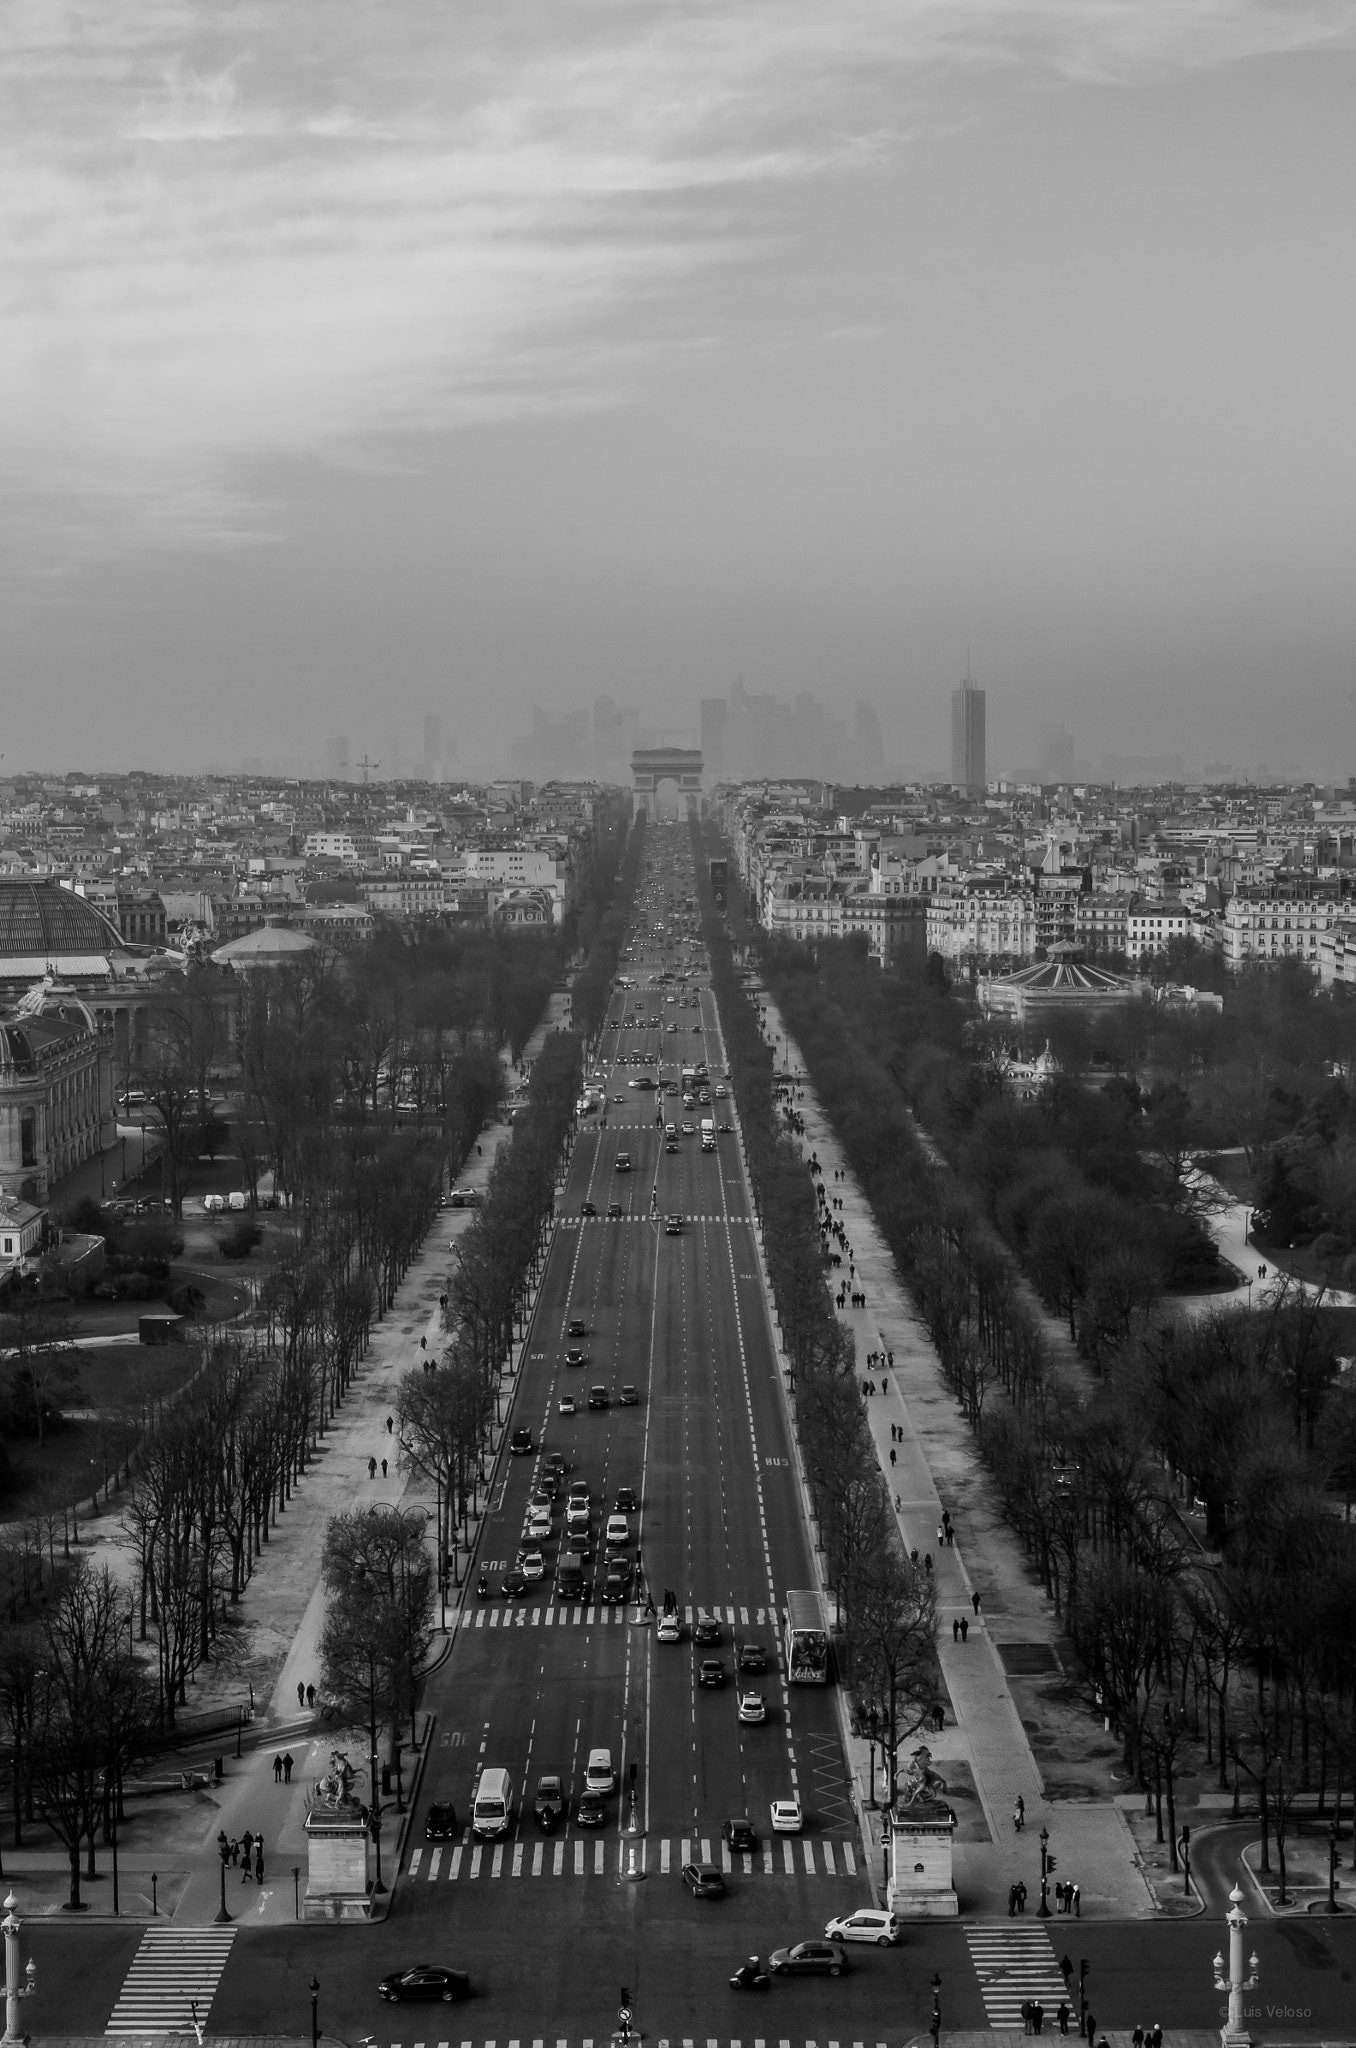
(599, 1776)
(492, 1809)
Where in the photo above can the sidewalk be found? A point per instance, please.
(283, 1607)
(936, 1465)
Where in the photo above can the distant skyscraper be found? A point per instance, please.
(1057, 759)
(713, 715)
(967, 737)
(433, 745)
(870, 745)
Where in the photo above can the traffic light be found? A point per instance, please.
(1049, 1862)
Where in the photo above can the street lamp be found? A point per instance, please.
(1233, 2034)
(1047, 1865)
(315, 2012)
(1186, 1861)
(15, 1990)
(936, 2022)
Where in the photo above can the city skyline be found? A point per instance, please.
(456, 369)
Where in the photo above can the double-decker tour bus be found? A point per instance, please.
(807, 1640)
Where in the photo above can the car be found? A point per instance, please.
(565, 1405)
(703, 1880)
(706, 1629)
(752, 1707)
(711, 1671)
(628, 1396)
(617, 1584)
(725, 1129)
(597, 1397)
(587, 1209)
(619, 1098)
(808, 1959)
(625, 1502)
(614, 1210)
(673, 1226)
(576, 1514)
(538, 1523)
(590, 1810)
(868, 1923)
(579, 1543)
(787, 1817)
(550, 1808)
(618, 1530)
(515, 1583)
(574, 1356)
(576, 1327)
(752, 1657)
(739, 1835)
(213, 1205)
(441, 1822)
(642, 1081)
(521, 1444)
(532, 1565)
(554, 1466)
(579, 1491)
(670, 1130)
(425, 1980)
(670, 1629)
(689, 1130)
(464, 1198)
(671, 1145)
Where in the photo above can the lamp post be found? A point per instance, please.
(374, 1823)
(935, 2025)
(315, 2012)
(1333, 1853)
(18, 1985)
(1233, 2034)
(1043, 1910)
(1186, 1861)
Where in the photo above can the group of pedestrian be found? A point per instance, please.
(247, 1852)
(1033, 2016)
(960, 1629)
(1016, 1899)
(282, 1768)
(1147, 2037)
(305, 1695)
(1069, 1899)
(372, 1467)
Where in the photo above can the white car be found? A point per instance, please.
(538, 1525)
(670, 1629)
(868, 1923)
(752, 1707)
(618, 1529)
(565, 1405)
(787, 1818)
(532, 1565)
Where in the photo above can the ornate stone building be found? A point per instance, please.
(56, 1090)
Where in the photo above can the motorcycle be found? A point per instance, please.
(750, 1976)
(482, 1587)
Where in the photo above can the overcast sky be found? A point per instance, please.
(361, 360)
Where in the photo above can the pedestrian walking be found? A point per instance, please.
(1156, 2036)
(383, 1468)
(1137, 2038)
(1078, 1901)
(885, 1384)
(277, 1769)
(974, 1602)
(247, 1843)
(390, 1424)
(287, 1767)
(259, 1871)
(310, 1695)
(913, 1554)
(892, 1457)
(941, 1536)
(897, 1511)
(1089, 2026)
(1012, 1901)
(1021, 1897)
(965, 1630)
(1037, 2017)
(223, 1846)
(1063, 2015)
(1028, 2026)
(927, 1564)
(1019, 1813)
(955, 1631)
(301, 1693)
(371, 1468)
(950, 1535)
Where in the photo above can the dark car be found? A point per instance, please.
(587, 1209)
(597, 1397)
(576, 1327)
(739, 1835)
(711, 1671)
(703, 1880)
(617, 1584)
(574, 1356)
(425, 1981)
(591, 1810)
(809, 1959)
(625, 1503)
(614, 1209)
(706, 1629)
(550, 1808)
(515, 1584)
(441, 1824)
(628, 1396)
(520, 1443)
(752, 1657)
(725, 1129)
(671, 1145)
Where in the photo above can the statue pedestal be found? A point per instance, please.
(920, 1837)
(338, 1881)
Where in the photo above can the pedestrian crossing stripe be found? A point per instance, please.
(651, 1216)
(1015, 1964)
(518, 1614)
(173, 1970)
(610, 1856)
(664, 2041)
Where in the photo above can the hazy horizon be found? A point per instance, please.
(478, 360)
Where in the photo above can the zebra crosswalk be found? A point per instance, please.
(611, 1856)
(173, 1970)
(1014, 1964)
(649, 1216)
(603, 2041)
(545, 1613)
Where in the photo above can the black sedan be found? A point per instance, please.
(515, 1584)
(591, 1810)
(711, 1671)
(809, 1959)
(587, 1209)
(425, 1981)
(441, 1824)
(739, 1835)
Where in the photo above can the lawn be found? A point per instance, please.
(102, 1400)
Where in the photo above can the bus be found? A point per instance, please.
(807, 1640)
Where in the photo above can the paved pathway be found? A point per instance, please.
(936, 1466)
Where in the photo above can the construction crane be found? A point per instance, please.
(367, 765)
